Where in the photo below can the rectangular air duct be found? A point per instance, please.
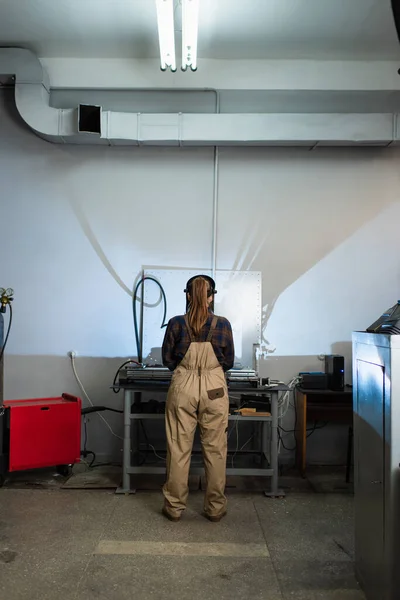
(32, 96)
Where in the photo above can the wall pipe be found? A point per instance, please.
(215, 199)
(215, 168)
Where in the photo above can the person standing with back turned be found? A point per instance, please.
(198, 347)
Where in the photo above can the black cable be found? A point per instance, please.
(150, 447)
(310, 432)
(283, 444)
(7, 334)
(295, 413)
(141, 281)
(92, 409)
(286, 430)
(145, 433)
(106, 464)
(90, 465)
(85, 438)
(115, 387)
(85, 452)
(135, 323)
(312, 429)
(317, 427)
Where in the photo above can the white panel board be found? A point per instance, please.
(238, 299)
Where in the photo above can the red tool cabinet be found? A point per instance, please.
(44, 432)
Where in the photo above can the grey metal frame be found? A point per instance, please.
(127, 469)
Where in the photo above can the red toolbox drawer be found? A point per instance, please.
(44, 432)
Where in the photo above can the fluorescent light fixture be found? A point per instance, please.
(190, 26)
(166, 33)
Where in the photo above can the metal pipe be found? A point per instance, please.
(215, 200)
(216, 163)
(140, 358)
(274, 443)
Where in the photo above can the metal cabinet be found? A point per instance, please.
(376, 401)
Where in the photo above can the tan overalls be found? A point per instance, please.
(198, 394)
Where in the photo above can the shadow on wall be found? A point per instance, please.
(329, 218)
(306, 204)
(300, 207)
(154, 357)
(344, 292)
(285, 367)
(282, 367)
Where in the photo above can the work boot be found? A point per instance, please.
(215, 519)
(170, 517)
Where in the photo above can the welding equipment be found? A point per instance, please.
(42, 432)
(132, 373)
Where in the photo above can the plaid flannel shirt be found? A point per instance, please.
(177, 341)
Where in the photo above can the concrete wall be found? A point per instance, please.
(78, 224)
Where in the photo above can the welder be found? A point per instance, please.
(198, 347)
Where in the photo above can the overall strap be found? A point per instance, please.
(188, 328)
(212, 328)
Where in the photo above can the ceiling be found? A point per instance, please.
(228, 29)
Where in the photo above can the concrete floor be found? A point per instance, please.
(65, 544)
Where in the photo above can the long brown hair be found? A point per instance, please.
(198, 308)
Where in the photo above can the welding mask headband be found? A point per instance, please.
(211, 290)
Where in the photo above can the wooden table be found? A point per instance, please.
(316, 406)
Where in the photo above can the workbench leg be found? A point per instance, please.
(126, 455)
(275, 491)
(264, 433)
(135, 430)
(301, 431)
(349, 454)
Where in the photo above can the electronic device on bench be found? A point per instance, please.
(157, 374)
(242, 378)
(332, 379)
(314, 380)
(137, 374)
(334, 368)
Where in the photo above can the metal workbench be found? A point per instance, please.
(132, 392)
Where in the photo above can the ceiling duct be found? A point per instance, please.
(59, 125)
(396, 16)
